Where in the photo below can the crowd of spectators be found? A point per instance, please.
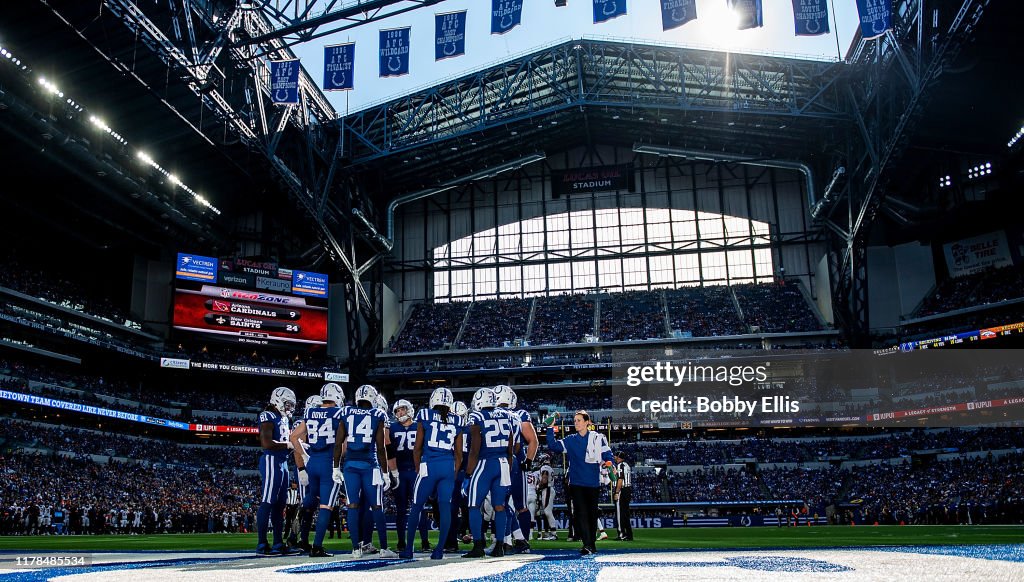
(62, 292)
(704, 311)
(775, 308)
(957, 491)
(42, 494)
(889, 446)
(492, 323)
(624, 316)
(991, 285)
(431, 326)
(632, 315)
(90, 390)
(89, 442)
(562, 319)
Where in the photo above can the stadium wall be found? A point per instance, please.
(898, 279)
(773, 196)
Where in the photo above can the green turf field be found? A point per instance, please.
(680, 538)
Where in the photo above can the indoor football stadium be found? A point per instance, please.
(504, 290)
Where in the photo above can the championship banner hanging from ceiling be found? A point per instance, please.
(284, 82)
(605, 10)
(675, 13)
(394, 52)
(339, 60)
(875, 17)
(449, 35)
(505, 15)
(749, 13)
(810, 17)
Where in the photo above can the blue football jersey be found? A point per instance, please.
(523, 417)
(361, 426)
(439, 433)
(496, 430)
(322, 429)
(280, 433)
(404, 439)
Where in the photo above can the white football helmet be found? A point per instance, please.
(312, 402)
(381, 403)
(410, 410)
(283, 399)
(504, 396)
(483, 399)
(366, 393)
(332, 392)
(461, 410)
(442, 397)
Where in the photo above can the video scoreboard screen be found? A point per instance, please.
(250, 302)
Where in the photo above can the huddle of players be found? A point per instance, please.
(443, 453)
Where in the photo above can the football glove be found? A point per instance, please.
(385, 479)
(526, 465)
(465, 488)
(303, 477)
(394, 480)
(338, 476)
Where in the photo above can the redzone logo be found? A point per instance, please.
(259, 297)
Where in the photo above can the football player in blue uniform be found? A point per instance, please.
(458, 499)
(273, 467)
(360, 445)
(305, 516)
(438, 454)
(320, 431)
(525, 453)
(400, 451)
(490, 457)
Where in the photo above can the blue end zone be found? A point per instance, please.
(1005, 552)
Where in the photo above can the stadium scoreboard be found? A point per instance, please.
(254, 302)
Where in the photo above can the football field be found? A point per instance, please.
(655, 539)
(932, 553)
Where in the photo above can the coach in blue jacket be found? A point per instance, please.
(587, 451)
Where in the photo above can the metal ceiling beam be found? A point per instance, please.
(588, 73)
(299, 26)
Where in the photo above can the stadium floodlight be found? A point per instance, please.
(1013, 141)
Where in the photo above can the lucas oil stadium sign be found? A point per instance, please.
(596, 179)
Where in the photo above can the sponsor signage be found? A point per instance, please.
(309, 284)
(94, 410)
(236, 279)
(260, 371)
(196, 268)
(973, 255)
(273, 284)
(177, 363)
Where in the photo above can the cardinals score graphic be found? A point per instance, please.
(227, 316)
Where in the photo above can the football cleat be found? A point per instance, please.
(304, 546)
(477, 551)
(319, 552)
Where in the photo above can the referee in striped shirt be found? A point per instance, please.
(623, 495)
